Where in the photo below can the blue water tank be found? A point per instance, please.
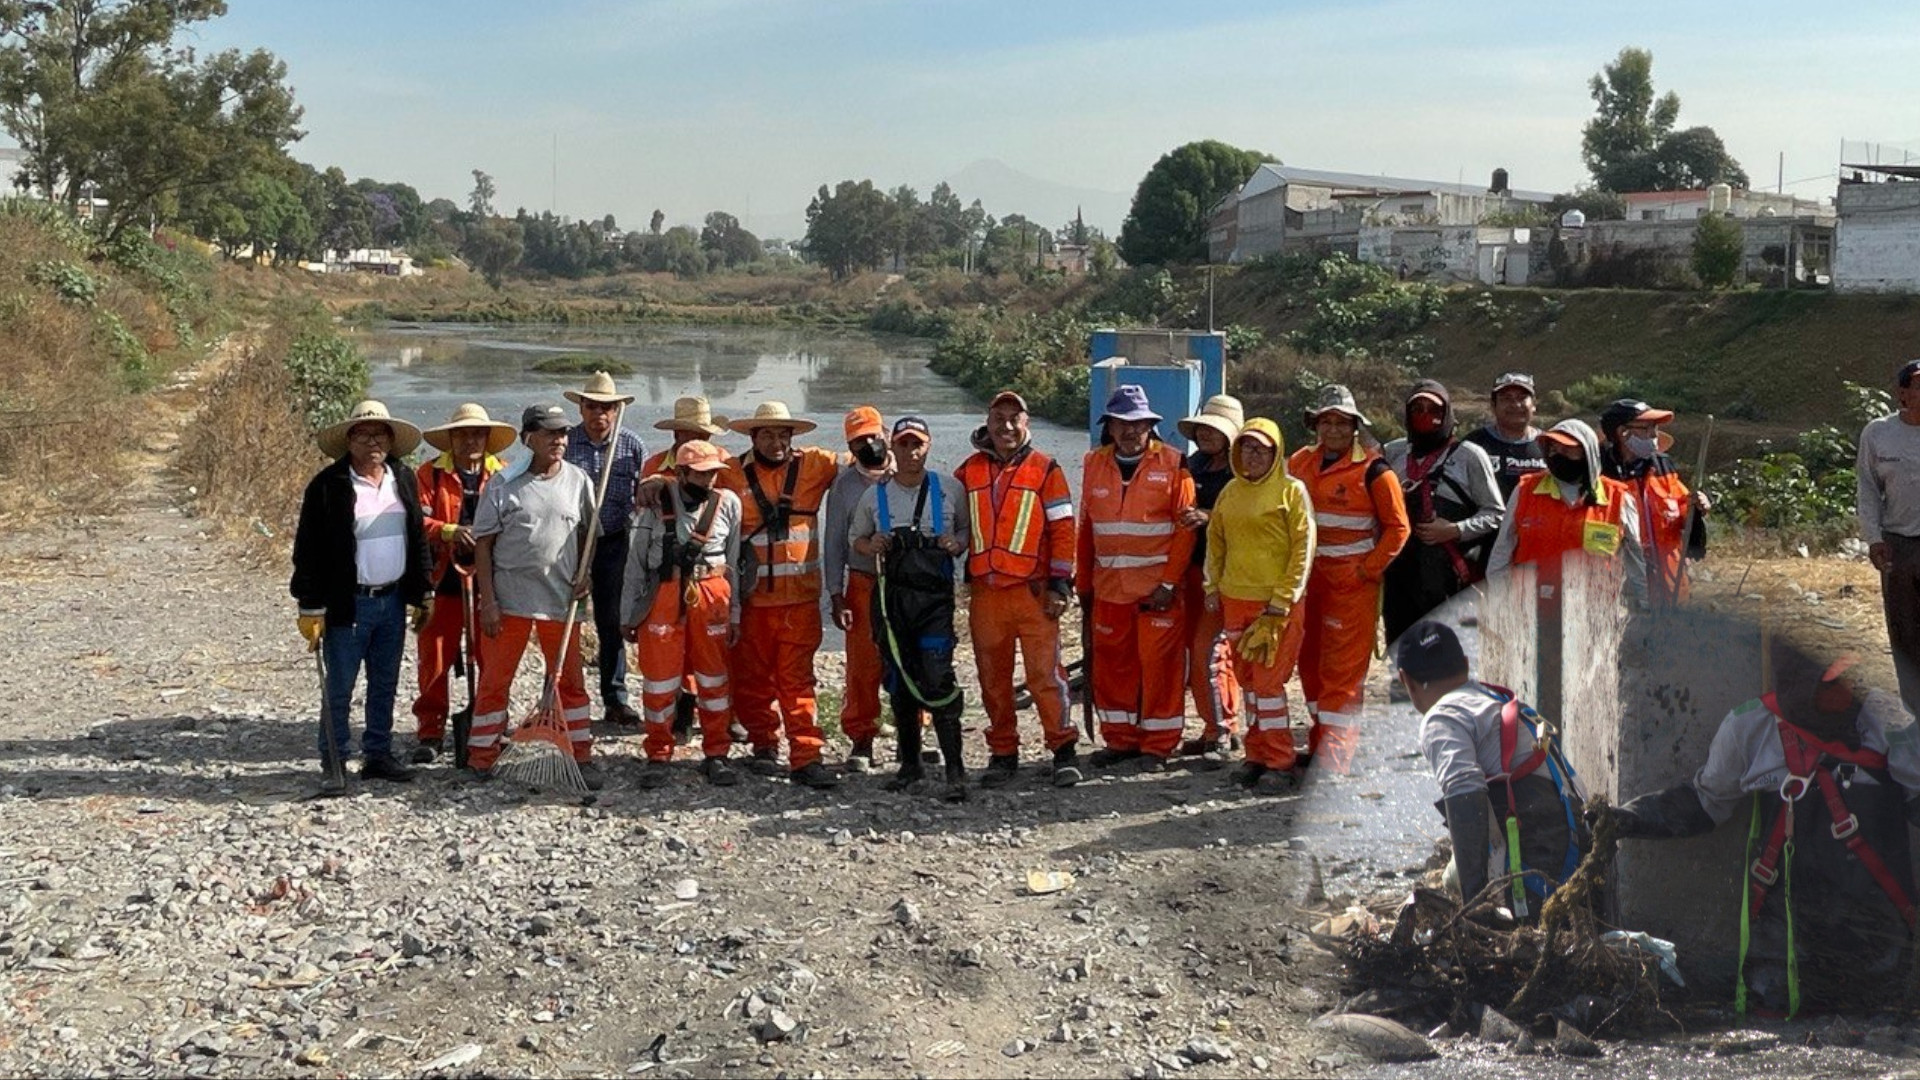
(1179, 369)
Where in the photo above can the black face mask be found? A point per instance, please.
(692, 494)
(1567, 470)
(871, 452)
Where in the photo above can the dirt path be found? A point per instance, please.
(171, 902)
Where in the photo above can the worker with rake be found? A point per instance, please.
(450, 487)
(532, 533)
(682, 610)
(1259, 546)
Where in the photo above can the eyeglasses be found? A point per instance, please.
(598, 406)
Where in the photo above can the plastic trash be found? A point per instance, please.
(1662, 950)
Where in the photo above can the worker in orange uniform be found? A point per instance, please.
(681, 608)
(1360, 524)
(1020, 565)
(1216, 696)
(850, 579)
(450, 487)
(1571, 509)
(1634, 454)
(1133, 553)
(692, 419)
(1259, 545)
(782, 488)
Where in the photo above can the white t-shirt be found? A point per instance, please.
(379, 530)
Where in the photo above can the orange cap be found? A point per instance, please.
(699, 455)
(865, 421)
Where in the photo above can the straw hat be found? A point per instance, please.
(1222, 412)
(772, 414)
(599, 388)
(466, 417)
(693, 414)
(333, 440)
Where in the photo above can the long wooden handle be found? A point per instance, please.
(585, 568)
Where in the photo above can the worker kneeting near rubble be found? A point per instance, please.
(1360, 524)
(682, 611)
(450, 487)
(1510, 800)
(530, 533)
(1454, 506)
(1571, 510)
(782, 489)
(1260, 541)
(913, 525)
(1634, 454)
(850, 580)
(1827, 778)
(1133, 554)
(1210, 681)
(1020, 568)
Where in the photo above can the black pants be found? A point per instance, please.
(1900, 592)
(1418, 580)
(609, 581)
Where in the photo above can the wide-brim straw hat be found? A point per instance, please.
(333, 439)
(1222, 412)
(693, 414)
(771, 414)
(599, 388)
(467, 417)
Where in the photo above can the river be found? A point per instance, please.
(423, 371)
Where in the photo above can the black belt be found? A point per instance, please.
(372, 591)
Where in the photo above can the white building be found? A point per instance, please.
(1877, 246)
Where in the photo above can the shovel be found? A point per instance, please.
(462, 722)
(336, 769)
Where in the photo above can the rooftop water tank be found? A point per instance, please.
(1573, 219)
(1719, 198)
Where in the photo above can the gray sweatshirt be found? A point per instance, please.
(1888, 500)
(835, 556)
(647, 542)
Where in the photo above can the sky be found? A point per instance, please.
(590, 107)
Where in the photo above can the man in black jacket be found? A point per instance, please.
(359, 562)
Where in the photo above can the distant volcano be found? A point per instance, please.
(1003, 189)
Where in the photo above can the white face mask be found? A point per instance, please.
(1642, 446)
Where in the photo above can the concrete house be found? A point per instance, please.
(1877, 248)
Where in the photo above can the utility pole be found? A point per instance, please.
(553, 192)
(1780, 177)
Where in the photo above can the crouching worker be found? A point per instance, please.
(1831, 779)
(683, 611)
(1511, 802)
(913, 525)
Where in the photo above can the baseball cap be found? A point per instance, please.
(863, 422)
(1514, 378)
(1626, 411)
(699, 455)
(912, 426)
(1430, 650)
(1908, 371)
(1009, 395)
(546, 416)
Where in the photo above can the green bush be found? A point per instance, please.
(329, 376)
(1806, 492)
(1717, 243)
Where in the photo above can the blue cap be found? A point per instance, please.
(1129, 403)
(912, 425)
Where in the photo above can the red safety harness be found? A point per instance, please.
(1805, 772)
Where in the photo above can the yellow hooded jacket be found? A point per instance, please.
(1260, 536)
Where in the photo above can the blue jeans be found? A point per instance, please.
(609, 580)
(376, 638)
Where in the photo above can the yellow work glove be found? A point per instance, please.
(418, 615)
(1260, 644)
(313, 627)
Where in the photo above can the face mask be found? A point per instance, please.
(1567, 470)
(692, 494)
(872, 453)
(1423, 423)
(1642, 446)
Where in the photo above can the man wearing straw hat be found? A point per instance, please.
(850, 580)
(359, 562)
(782, 488)
(599, 434)
(1216, 696)
(530, 531)
(450, 487)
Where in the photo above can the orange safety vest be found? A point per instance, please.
(660, 464)
(786, 553)
(1663, 519)
(1010, 512)
(1132, 525)
(1546, 527)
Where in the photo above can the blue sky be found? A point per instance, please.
(749, 105)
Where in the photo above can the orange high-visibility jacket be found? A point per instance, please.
(1663, 501)
(1131, 540)
(787, 565)
(1359, 511)
(440, 495)
(1022, 517)
(660, 464)
(1545, 527)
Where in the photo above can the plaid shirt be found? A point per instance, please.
(629, 455)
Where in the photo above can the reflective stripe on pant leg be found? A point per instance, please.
(860, 708)
(663, 663)
(1313, 611)
(990, 621)
(1269, 739)
(1046, 680)
(1160, 638)
(707, 656)
(1116, 675)
(753, 681)
(436, 647)
(499, 660)
(799, 644)
(1216, 695)
(576, 708)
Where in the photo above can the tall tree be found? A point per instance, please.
(724, 235)
(1168, 221)
(655, 222)
(1631, 145)
(102, 104)
(847, 228)
(480, 199)
(493, 247)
